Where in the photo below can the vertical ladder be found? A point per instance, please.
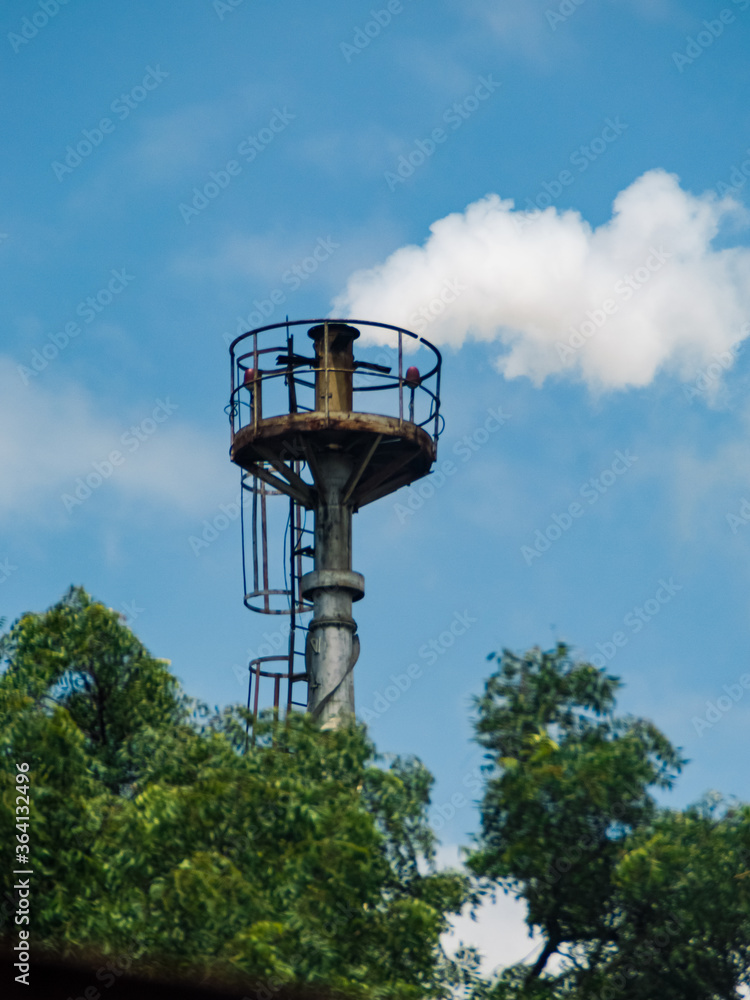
(288, 667)
(283, 667)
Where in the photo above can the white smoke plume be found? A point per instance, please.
(614, 305)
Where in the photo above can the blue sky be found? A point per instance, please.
(125, 278)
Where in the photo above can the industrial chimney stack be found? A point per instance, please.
(297, 436)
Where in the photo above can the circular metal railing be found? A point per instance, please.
(287, 384)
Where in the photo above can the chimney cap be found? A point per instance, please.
(340, 335)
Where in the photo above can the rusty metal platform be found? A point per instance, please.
(387, 452)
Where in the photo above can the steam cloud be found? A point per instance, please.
(614, 305)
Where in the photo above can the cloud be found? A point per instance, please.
(499, 931)
(530, 29)
(53, 433)
(517, 24)
(644, 292)
(339, 153)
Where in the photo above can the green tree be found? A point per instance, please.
(157, 836)
(640, 901)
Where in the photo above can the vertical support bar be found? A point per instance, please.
(232, 423)
(328, 368)
(290, 374)
(243, 491)
(264, 546)
(247, 724)
(257, 690)
(290, 673)
(297, 560)
(400, 380)
(437, 403)
(256, 483)
(256, 401)
(293, 543)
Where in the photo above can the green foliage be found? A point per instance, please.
(641, 901)
(151, 836)
(303, 859)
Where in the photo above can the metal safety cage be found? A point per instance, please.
(270, 379)
(271, 586)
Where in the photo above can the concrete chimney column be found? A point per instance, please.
(332, 643)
